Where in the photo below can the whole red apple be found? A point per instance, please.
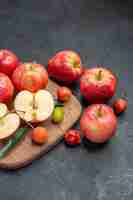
(98, 123)
(65, 66)
(120, 105)
(72, 137)
(98, 84)
(30, 76)
(64, 94)
(8, 62)
(6, 89)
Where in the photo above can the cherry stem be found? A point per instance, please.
(18, 111)
(28, 123)
(14, 111)
(4, 115)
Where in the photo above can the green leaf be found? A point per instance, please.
(13, 141)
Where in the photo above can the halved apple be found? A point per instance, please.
(9, 122)
(3, 109)
(34, 107)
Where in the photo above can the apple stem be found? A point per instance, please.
(99, 75)
(18, 111)
(99, 111)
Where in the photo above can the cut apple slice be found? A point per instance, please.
(9, 122)
(3, 109)
(34, 107)
(45, 103)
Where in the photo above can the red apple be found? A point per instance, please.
(98, 84)
(8, 61)
(72, 137)
(30, 76)
(120, 105)
(64, 94)
(98, 123)
(6, 89)
(65, 66)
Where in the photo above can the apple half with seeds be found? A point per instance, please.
(9, 122)
(34, 107)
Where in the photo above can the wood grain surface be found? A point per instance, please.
(25, 152)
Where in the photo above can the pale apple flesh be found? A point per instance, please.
(3, 109)
(34, 107)
(9, 122)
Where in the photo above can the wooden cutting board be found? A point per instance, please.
(25, 152)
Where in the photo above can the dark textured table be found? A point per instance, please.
(102, 32)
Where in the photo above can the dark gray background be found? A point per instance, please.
(102, 32)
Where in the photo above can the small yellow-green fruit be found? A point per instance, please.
(58, 114)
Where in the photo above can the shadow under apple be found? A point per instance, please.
(93, 147)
